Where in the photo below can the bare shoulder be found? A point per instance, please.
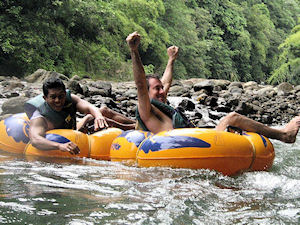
(75, 98)
(39, 123)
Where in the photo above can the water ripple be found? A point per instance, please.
(85, 191)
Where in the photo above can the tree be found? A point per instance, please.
(289, 68)
(260, 27)
(226, 39)
(182, 26)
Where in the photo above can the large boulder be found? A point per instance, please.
(74, 86)
(236, 84)
(14, 105)
(40, 75)
(250, 85)
(97, 88)
(284, 88)
(223, 84)
(207, 85)
(178, 91)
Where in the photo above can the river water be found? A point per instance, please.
(86, 191)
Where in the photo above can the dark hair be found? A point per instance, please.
(150, 76)
(53, 83)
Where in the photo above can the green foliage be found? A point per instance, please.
(289, 68)
(224, 39)
(182, 29)
(149, 69)
(260, 28)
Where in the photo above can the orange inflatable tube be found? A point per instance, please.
(14, 133)
(96, 146)
(14, 138)
(125, 146)
(196, 148)
(62, 136)
(100, 143)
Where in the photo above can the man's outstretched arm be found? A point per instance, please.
(144, 105)
(37, 133)
(168, 74)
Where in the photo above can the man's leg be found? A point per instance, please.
(87, 120)
(287, 134)
(113, 115)
(81, 125)
(123, 126)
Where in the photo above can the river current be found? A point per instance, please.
(87, 191)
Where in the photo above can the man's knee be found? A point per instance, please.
(105, 111)
(232, 118)
(233, 115)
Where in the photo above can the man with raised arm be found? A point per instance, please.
(156, 116)
(56, 109)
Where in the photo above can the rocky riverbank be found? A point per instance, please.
(204, 101)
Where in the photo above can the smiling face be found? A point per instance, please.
(56, 98)
(156, 90)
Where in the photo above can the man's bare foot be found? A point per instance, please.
(291, 130)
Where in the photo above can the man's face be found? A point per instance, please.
(156, 90)
(56, 99)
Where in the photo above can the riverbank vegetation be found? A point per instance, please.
(226, 39)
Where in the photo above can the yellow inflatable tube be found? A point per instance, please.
(62, 136)
(125, 146)
(96, 146)
(14, 133)
(197, 148)
(194, 148)
(100, 143)
(14, 138)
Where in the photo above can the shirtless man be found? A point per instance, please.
(155, 120)
(56, 109)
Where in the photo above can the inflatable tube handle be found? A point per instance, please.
(233, 129)
(254, 152)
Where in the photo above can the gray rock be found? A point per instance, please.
(207, 85)
(284, 88)
(75, 78)
(131, 93)
(178, 91)
(235, 90)
(201, 97)
(3, 78)
(236, 84)
(14, 105)
(176, 83)
(40, 75)
(265, 91)
(187, 105)
(97, 88)
(101, 85)
(215, 115)
(223, 108)
(222, 83)
(212, 99)
(13, 85)
(245, 108)
(90, 91)
(250, 85)
(75, 87)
